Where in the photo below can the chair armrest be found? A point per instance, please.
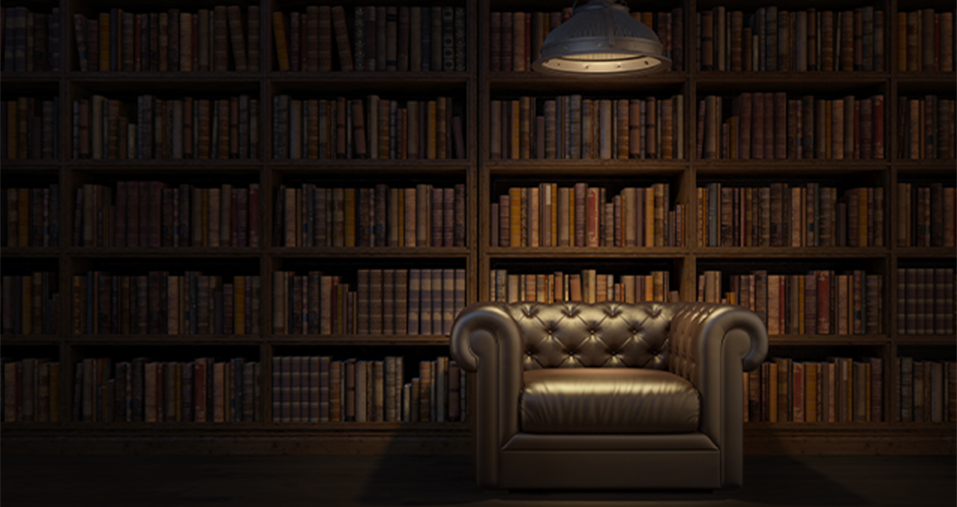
(711, 345)
(699, 331)
(487, 340)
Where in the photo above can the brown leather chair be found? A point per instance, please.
(608, 395)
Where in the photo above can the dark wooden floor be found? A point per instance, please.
(187, 481)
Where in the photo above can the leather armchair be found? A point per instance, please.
(608, 395)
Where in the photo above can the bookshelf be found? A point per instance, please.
(484, 178)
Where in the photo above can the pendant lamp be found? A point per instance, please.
(601, 38)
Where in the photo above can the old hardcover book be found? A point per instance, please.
(279, 34)
(342, 38)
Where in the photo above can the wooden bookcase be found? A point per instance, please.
(480, 173)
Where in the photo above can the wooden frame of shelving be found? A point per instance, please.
(477, 85)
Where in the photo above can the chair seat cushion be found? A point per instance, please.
(608, 400)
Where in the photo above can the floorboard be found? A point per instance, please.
(193, 481)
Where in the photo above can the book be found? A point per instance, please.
(165, 391)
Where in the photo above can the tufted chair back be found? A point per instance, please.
(606, 335)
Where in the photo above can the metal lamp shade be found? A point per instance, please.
(601, 38)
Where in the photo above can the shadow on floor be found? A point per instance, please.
(449, 480)
(392, 479)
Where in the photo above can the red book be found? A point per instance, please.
(780, 125)
(119, 228)
(506, 47)
(253, 220)
(798, 391)
(877, 118)
(744, 131)
(593, 216)
(580, 190)
(823, 302)
(133, 214)
(495, 57)
(199, 391)
(156, 211)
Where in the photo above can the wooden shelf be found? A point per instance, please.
(583, 252)
(44, 167)
(795, 84)
(418, 79)
(925, 252)
(827, 340)
(771, 427)
(31, 339)
(849, 438)
(386, 167)
(585, 169)
(30, 77)
(923, 77)
(925, 339)
(32, 252)
(520, 83)
(137, 166)
(396, 339)
(943, 167)
(149, 78)
(82, 252)
(226, 439)
(785, 252)
(786, 167)
(164, 339)
(166, 427)
(364, 252)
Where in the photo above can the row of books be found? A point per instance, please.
(152, 214)
(175, 41)
(926, 391)
(588, 286)
(372, 128)
(382, 301)
(773, 126)
(584, 216)
(31, 390)
(383, 38)
(839, 389)
(30, 303)
(760, 125)
(318, 389)
(821, 302)
(380, 216)
(777, 215)
(573, 127)
(773, 39)
(925, 41)
(143, 390)
(925, 301)
(222, 128)
(926, 128)
(926, 215)
(516, 38)
(31, 216)
(794, 216)
(31, 128)
(30, 40)
(161, 303)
